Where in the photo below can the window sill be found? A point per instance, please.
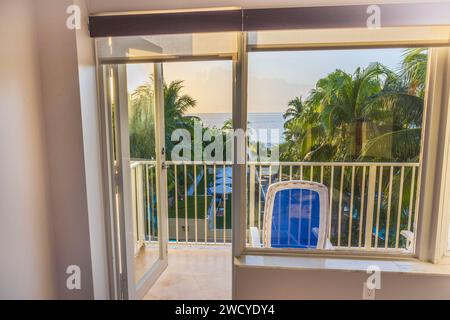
(410, 266)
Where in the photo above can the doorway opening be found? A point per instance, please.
(197, 99)
(168, 128)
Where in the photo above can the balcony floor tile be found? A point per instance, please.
(195, 272)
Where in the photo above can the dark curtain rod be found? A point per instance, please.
(353, 16)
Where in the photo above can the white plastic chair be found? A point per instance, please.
(319, 232)
(410, 239)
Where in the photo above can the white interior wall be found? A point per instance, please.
(26, 267)
(67, 88)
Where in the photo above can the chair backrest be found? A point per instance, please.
(295, 215)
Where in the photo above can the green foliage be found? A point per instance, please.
(374, 114)
(142, 123)
(142, 119)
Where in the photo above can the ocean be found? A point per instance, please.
(256, 121)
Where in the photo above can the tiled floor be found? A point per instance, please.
(195, 272)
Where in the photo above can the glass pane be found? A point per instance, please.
(141, 124)
(285, 38)
(350, 120)
(167, 45)
(198, 102)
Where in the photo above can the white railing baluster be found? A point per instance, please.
(141, 224)
(224, 204)
(363, 192)
(388, 216)
(176, 202)
(260, 190)
(280, 173)
(300, 207)
(341, 187)
(310, 206)
(350, 222)
(270, 174)
(411, 197)
(152, 205)
(134, 204)
(331, 201)
(214, 204)
(251, 199)
(377, 226)
(321, 174)
(416, 206)
(195, 203)
(147, 193)
(205, 174)
(399, 209)
(370, 206)
(186, 221)
(289, 207)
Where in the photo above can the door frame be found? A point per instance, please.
(123, 286)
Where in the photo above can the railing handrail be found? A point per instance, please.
(284, 163)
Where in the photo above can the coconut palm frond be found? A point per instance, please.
(402, 146)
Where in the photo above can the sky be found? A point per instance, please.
(275, 78)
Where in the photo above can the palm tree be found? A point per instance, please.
(176, 105)
(414, 70)
(141, 126)
(227, 125)
(294, 110)
(373, 114)
(343, 102)
(402, 102)
(303, 132)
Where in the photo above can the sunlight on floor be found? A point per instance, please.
(200, 273)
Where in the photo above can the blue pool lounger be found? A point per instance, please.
(295, 216)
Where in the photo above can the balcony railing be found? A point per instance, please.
(372, 206)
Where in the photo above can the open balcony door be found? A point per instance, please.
(142, 255)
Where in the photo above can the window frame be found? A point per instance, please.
(431, 220)
(434, 240)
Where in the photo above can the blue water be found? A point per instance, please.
(267, 121)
